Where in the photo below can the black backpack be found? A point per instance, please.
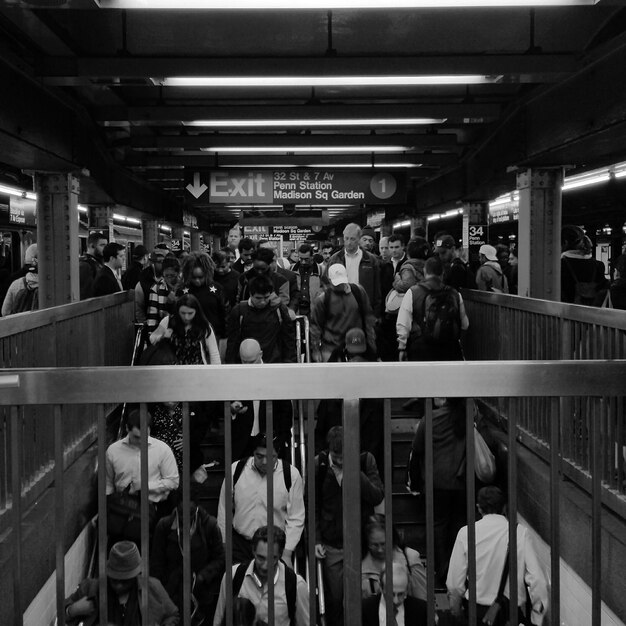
(440, 317)
(291, 586)
(585, 292)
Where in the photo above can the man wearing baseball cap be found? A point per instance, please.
(455, 272)
(342, 306)
(490, 276)
(124, 590)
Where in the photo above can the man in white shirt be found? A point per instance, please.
(492, 540)
(123, 468)
(249, 500)
(291, 594)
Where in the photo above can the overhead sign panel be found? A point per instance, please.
(294, 186)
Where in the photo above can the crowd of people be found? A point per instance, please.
(239, 305)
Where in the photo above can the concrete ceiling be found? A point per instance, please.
(82, 91)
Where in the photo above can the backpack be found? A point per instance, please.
(440, 318)
(358, 296)
(584, 292)
(242, 462)
(291, 585)
(244, 306)
(25, 300)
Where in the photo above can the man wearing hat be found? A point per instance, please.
(367, 240)
(125, 589)
(455, 273)
(344, 305)
(249, 499)
(362, 266)
(490, 276)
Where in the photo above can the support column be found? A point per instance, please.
(475, 229)
(418, 226)
(101, 218)
(196, 240)
(150, 230)
(178, 238)
(539, 254)
(57, 238)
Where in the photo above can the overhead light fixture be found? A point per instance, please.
(304, 149)
(19, 193)
(402, 224)
(365, 165)
(584, 180)
(324, 81)
(317, 123)
(331, 4)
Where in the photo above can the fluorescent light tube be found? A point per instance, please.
(304, 149)
(330, 4)
(575, 183)
(318, 123)
(20, 193)
(322, 81)
(402, 224)
(364, 165)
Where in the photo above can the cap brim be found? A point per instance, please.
(339, 281)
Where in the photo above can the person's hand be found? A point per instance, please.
(167, 334)
(320, 551)
(135, 486)
(81, 608)
(237, 408)
(402, 355)
(292, 314)
(275, 300)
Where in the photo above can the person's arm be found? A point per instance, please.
(162, 331)
(463, 314)
(287, 336)
(317, 321)
(215, 548)
(404, 322)
(294, 292)
(221, 513)
(220, 609)
(79, 605)
(535, 580)
(457, 573)
(372, 490)
(302, 603)
(370, 321)
(405, 278)
(7, 305)
(110, 475)
(212, 350)
(376, 297)
(294, 523)
(169, 615)
(234, 335)
(483, 282)
(283, 293)
(168, 479)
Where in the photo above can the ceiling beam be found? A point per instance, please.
(263, 160)
(195, 142)
(151, 115)
(512, 67)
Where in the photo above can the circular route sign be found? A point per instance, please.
(383, 186)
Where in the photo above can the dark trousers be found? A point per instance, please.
(242, 548)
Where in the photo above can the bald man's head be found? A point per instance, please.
(250, 352)
(400, 577)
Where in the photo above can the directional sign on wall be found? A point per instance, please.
(301, 186)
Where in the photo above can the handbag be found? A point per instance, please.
(124, 513)
(491, 616)
(485, 462)
(160, 353)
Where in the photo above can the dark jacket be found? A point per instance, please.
(387, 274)
(130, 278)
(88, 266)
(105, 283)
(294, 287)
(271, 327)
(414, 611)
(161, 610)
(369, 277)
(230, 284)
(211, 298)
(458, 275)
(582, 270)
(329, 510)
(207, 558)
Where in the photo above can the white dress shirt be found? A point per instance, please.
(250, 503)
(352, 265)
(382, 613)
(123, 467)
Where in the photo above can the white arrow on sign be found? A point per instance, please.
(197, 189)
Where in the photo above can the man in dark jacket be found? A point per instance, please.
(265, 319)
(139, 260)
(329, 514)
(90, 263)
(405, 610)
(107, 281)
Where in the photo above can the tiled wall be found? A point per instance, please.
(575, 593)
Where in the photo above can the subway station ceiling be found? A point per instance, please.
(449, 100)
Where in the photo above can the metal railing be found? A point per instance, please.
(504, 327)
(95, 332)
(62, 388)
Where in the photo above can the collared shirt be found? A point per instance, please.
(123, 467)
(382, 613)
(352, 265)
(337, 471)
(250, 503)
(257, 592)
(405, 318)
(492, 539)
(398, 262)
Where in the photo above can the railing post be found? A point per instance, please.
(351, 494)
(59, 514)
(16, 504)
